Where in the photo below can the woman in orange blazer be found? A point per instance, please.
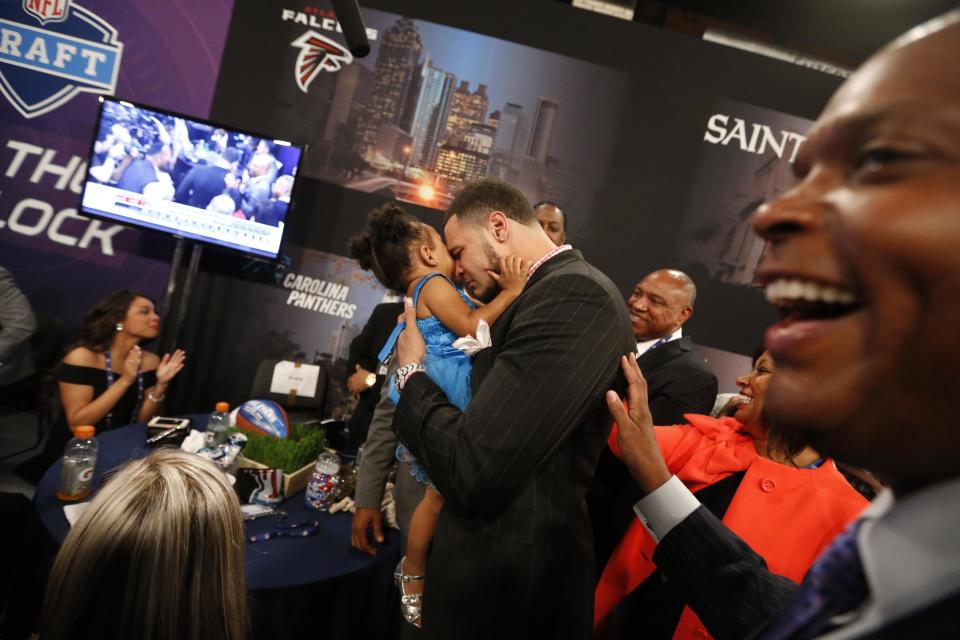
(778, 495)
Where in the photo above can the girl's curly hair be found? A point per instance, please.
(384, 247)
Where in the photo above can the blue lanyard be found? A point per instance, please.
(136, 407)
(298, 530)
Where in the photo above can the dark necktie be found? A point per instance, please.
(834, 585)
(659, 343)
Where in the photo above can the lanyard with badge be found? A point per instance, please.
(136, 407)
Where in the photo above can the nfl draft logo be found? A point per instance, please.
(51, 50)
(47, 10)
(317, 53)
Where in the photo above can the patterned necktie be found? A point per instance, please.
(834, 585)
(659, 343)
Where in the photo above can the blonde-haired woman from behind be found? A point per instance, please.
(158, 555)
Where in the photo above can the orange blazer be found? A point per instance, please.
(788, 515)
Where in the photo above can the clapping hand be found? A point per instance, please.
(170, 366)
(638, 444)
(131, 366)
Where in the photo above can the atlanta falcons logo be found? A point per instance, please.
(317, 53)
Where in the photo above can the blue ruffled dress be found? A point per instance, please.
(446, 365)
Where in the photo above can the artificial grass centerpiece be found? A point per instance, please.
(305, 443)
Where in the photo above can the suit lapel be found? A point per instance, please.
(483, 361)
(665, 353)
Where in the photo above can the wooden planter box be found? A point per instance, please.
(292, 482)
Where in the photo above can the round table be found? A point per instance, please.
(278, 563)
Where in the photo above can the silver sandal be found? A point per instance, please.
(410, 605)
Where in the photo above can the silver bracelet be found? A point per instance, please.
(150, 396)
(404, 372)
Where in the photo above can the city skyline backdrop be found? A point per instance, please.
(434, 107)
(518, 74)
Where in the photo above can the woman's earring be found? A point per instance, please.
(119, 326)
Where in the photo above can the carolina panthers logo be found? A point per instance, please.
(317, 53)
(51, 50)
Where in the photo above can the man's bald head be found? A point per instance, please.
(260, 164)
(661, 303)
(681, 281)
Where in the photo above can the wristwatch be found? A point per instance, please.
(404, 372)
(370, 380)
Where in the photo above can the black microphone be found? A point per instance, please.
(351, 24)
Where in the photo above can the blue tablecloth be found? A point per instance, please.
(276, 563)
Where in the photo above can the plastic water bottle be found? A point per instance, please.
(358, 458)
(218, 424)
(324, 482)
(79, 461)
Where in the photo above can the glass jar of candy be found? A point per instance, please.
(324, 483)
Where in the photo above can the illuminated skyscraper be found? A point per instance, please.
(397, 56)
(430, 116)
(410, 101)
(466, 109)
(351, 91)
(494, 121)
(464, 159)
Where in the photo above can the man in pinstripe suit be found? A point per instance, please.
(512, 554)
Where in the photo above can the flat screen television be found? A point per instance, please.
(191, 178)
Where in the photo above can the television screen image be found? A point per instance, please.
(190, 178)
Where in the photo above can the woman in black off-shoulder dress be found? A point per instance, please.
(106, 379)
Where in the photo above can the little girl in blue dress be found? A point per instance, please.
(409, 256)
(446, 365)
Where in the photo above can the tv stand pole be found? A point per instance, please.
(187, 288)
(179, 300)
(168, 295)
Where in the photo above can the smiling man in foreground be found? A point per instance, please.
(863, 263)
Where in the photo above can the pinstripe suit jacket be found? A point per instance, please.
(737, 597)
(512, 554)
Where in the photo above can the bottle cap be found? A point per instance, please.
(85, 432)
(223, 406)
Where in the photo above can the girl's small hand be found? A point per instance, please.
(513, 273)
